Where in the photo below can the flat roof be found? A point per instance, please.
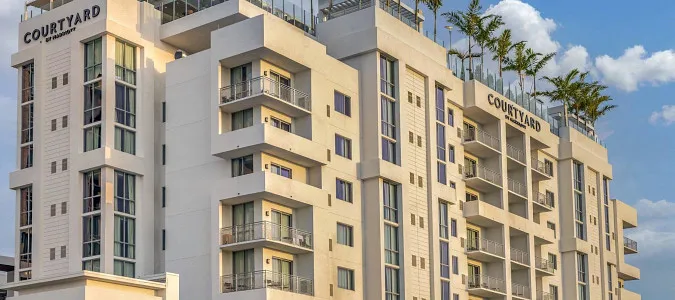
(6, 263)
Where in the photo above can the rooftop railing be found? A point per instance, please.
(475, 134)
(520, 256)
(517, 187)
(486, 282)
(543, 264)
(483, 173)
(485, 245)
(266, 230)
(519, 290)
(515, 153)
(630, 244)
(34, 11)
(267, 279)
(265, 85)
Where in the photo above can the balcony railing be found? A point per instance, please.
(515, 153)
(485, 245)
(630, 244)
(267, 279)
(542, 199)
(475, 134)
(520, 256)
(544, 296)
(520, 290)
(487, 282)
(542, 167)
(266, 230)
(543, 264)
(265, 85)
(34, 11)
(517, 187)
(484, 173)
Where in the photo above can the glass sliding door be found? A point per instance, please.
(243, 270)
(242, 222)
(281, 227)
(281, 274)
(280, 86)
(240, 80)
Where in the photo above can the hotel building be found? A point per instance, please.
(256, 151)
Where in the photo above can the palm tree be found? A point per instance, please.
(330, 8)
(466, 23)
(417, 4)
(501, 46)
(521, 62)
(538, 63)
(433, 6)
(487, 25)
(565, 90)
(596, 107)
(462, 56)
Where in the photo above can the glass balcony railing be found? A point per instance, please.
(266, 230)
(630, 244)
(267, 279)
(405, 15)
(265, 85)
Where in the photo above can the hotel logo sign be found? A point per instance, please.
(61, 27)
(514, 113)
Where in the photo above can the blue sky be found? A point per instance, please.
(624, 45)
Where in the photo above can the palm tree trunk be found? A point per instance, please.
(399, 9)
(470, 59)
(330, 7)
(565, 116)
(534, 85)
(500, 67)
(435, 14)
(417, 25)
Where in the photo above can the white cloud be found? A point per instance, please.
(666, 115)
(656, 231)
(636, 67)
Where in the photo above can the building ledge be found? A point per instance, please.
(84, 276)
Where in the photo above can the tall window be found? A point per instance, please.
(125, 62)
(391, 244)
(242, 165)
(125, 237)
(440, 153)
(343, 104)
(445, 259)
(451, 153)
(453, 227)
(92, 59)
(553, 290)
(91, 227)
(387, 77)
(343, 190)
(345, 235)
(582, 276)
(440, 104)
(605, 195)
(445, 290)
(125, 105)
(390, 202)
(26, 206)
(92, 191)
(27, 156)
(27, 114)
(610, 286)
(345, 279)
(579, 203)
(451, 117)
(443, 219)
(343, 146)
(242, 119)
(125, 193)
(93, 95)
(92, 102)
(388, 115)
(391, 284)
(92, 138)
(26, 248)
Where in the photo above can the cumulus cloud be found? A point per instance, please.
(656, 231)
(666, 115)
(636, 67)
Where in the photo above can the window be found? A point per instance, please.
(285, 126)
(163, 239)
(553, 261)
(387, 77)
(345, 235)
(26, 206)
(125, 105)
(242, 119)
(548, 166)
(343, 104)
(343, 190)
(93, 265)
(64, 208)
(451, 153)
(441, 172)
(65, 79)
(452, 184)
(125, 140)
(242, 166)
(64, 122)
(553, 290)
(440, 104)
(440, 142)
(283, 171)
(54, 85)
(582, 274)
(64, 164)
(456, 297)
(125, 62)
(92, 102)
(92, 138)
(443, 219)
(551, 226)
(471, 197)
(125, 237)
(389, 150)
(27, 117)
(580, 215)
(26, 248)
(390, 201)
(609, 278)
(91, 226)
(92, 191)
(53, 164)
(445, 259)
(124, 268)
(163, 111)
(27, 156)
(343, 146)
(345, 279)
(445, 290)
(388, 115)
(125, 193)
(605, 193)
(455, 265)
(391, 283)
(390, 244)
(163, 154)
(578, 176)
(453, 227)
(53, 124)
(27, 82)
(92, 60)
(451, 117)
(163, 196)
(63, 251)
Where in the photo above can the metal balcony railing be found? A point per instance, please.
(478, 135)
(487, 282)
(483, 173)
(542, 199)
(542, 167)
(485, 245)
(520, 256)
(266, 230)
(630, 244)
(520, 290)
(544, 296)
(515, 153)
(269, 86)
(517, 187)
(543, 264)
(267, 279)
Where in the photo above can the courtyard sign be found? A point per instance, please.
(514, 113)
(61, 27)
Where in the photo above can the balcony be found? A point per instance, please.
(516, 156)
(542, 203)
(627, 272)
(270, 186)
(520, 291)
(519, 259)
(543, 235)
(268, 92)
(267, 280)
(482, 179)
(629, 246)
(543, 267)
(484, 250)
(544, 296)
(625, 294)
(540, 171)
(517, 188)
(269, 139)
(481, 143)
(483, 214)
(266, 234)
(35, 8)
(486, 286)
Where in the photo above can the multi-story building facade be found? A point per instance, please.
(288, 156)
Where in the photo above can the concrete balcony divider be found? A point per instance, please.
(265, 279)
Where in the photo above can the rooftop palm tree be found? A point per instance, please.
(566, 89)
(538, 63)
(433, 6)
(521, 61)
(462, 56)
(501, 46)
(467, 23)
(487, 25)
(596, 107)
(417, 4)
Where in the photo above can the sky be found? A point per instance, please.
(620, 43)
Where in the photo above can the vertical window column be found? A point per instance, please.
(125, 97)
(93, 96)
(91, 221)
(388, 109)
(27, 114)
(440, 136)
(25, 232)
(579, 202)
(390, 196)
(125, 224)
